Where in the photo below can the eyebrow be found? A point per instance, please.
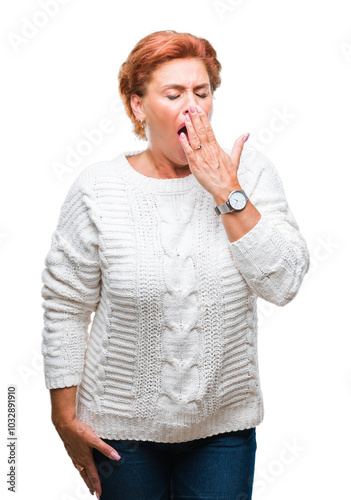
(181, 87)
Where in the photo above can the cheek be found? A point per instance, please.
(164, 115)
(161, 123)
(209, 109)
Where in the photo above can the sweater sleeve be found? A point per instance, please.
(273, 256)
(71, 289)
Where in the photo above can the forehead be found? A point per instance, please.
(187, 72)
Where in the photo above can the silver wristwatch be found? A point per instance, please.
(237, 200)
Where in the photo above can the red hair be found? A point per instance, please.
(154, 50)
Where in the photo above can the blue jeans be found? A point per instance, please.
(219, 467)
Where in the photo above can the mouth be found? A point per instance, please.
(182, 128)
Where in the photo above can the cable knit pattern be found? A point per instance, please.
(171, 355)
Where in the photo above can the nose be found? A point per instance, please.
(190, 101)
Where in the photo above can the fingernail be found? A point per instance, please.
(114, 455)
(192, 109)
(187, 118)
(198, 109)
(97, 495)
(246, 137)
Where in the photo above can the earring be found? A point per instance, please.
(142, 123)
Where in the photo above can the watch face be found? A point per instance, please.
(237, 200)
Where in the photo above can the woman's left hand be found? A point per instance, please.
(214, 169)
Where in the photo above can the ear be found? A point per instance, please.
(137, 107)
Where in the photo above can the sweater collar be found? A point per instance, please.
(152, 184)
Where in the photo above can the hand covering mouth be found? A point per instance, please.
(182, 128)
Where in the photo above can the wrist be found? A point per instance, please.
(222, 196)
(63, 405)
(62, 421)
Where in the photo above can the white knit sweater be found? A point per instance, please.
(171, 355)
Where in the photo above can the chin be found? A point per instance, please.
(183, 159)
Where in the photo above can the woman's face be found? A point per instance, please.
(175, 86)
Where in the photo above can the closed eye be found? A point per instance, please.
(172, 97)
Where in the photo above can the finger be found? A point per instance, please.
(93, 477)
(238, 148)
(199, 131)
(105, 448)
(193, 138)
(94, 441)
(206, 125)
(87, 480)
(187, 148)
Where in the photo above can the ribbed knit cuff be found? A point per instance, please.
(62, 381)
(259, 252)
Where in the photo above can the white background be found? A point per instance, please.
(289, 58)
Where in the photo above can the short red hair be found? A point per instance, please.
(154, 50)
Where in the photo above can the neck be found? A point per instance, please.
(162, 167)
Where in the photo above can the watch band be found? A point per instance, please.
(225, 208)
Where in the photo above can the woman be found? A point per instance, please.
(170, 247)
